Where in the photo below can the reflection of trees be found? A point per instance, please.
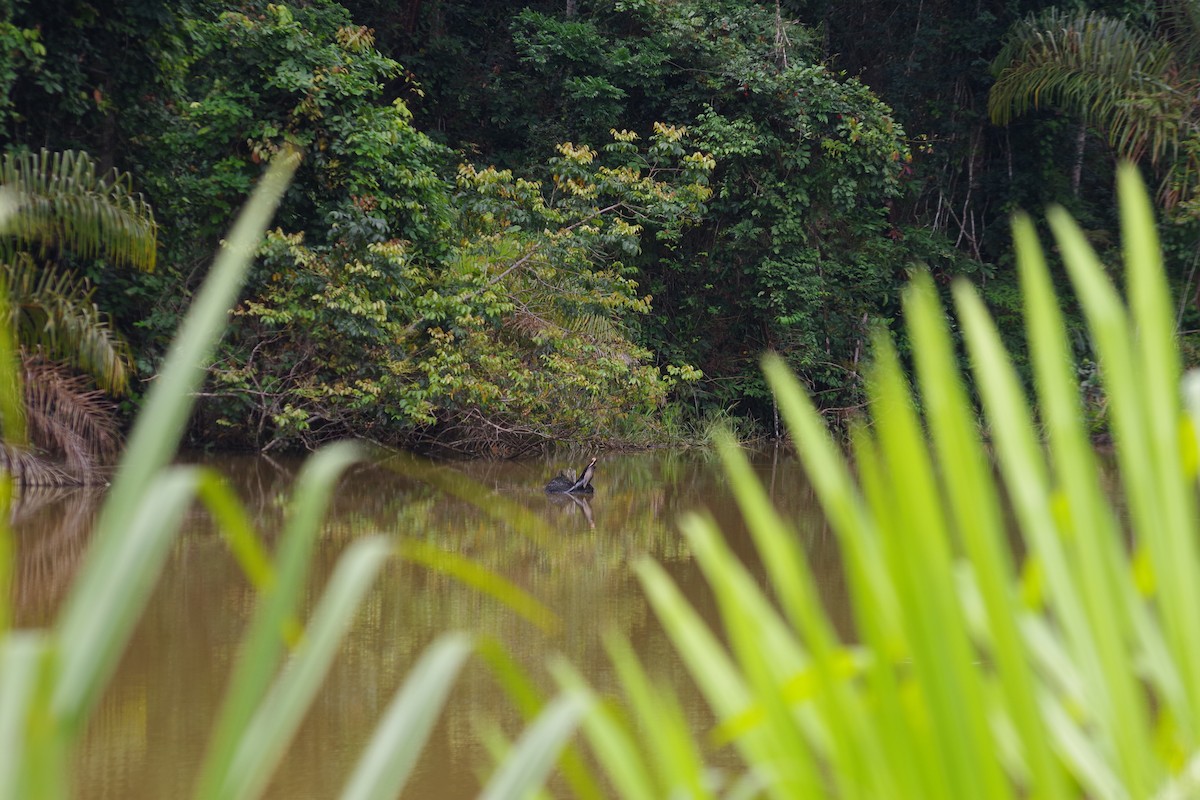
(51, 527)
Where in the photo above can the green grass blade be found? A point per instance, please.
(670, 745)
(108, 598)
(528, 699)
(853, 744)
(266, 736)
(768, 656)
(1174, 548)
(616, 748)
(706, 659)
(1122, 704)
(839, 496)
(512, 677)
(502, 509)
(526, 767)
(390, 755)
(90, 640)
(726, 689)
(24, 656)
(916, 546)
(236, 528)
(168, 404)
(6, 553)
(12, 431)
(1022, 465)
(263, 644)
(872, 593)
(972, 497)
(470, 573)
(12, 405)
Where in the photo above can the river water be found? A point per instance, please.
(147, 737)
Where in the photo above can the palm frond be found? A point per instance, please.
(28, 468)
(66, 416)
(62, 204)
(54, 313)
(1119, 78)
(1180, 23)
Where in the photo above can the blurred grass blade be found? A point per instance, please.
(527, 697)
(916, 545)
(793, 582)
(268, 733)
(768, 655)
(526, 767)
(7, 552)
(12, 432)
(12, 404)
(1174, 548)
(616, 749)
(105, 599)
(155, 436)
(108, 598)
(670, 746)
(24, 661)
(400, 736)
(263, 644)
(973, 500)
(1091, 535)
(707, 661)
(843, 503)
(236, 528)
(502, 509)
(470, 573)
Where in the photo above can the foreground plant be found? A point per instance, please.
(1066, 664)
(50, 681)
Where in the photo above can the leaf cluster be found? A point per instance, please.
(535, 304)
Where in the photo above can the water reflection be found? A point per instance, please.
(147, 737)
(50, 535)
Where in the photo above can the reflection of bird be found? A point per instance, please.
(562, 484)
(570, 503)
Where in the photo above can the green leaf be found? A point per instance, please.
(389, 756)
(263, 641)
(526, 767)
(108, 597)
(269, 731)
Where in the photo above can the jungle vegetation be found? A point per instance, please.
(521, 224)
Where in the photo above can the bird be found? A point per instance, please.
(563, 484)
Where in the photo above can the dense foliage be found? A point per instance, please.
(797, 251)
(580, 220)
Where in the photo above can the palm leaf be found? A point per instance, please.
(63, 205)
(1119, 78)
(28, 468)
(66, 415)
(1180, 21)
(55, 315)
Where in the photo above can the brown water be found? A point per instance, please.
(146, 739)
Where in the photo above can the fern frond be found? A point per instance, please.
(61, 204)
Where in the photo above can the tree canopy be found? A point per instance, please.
(585, 220)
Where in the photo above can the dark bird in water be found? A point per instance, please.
(565, 484)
